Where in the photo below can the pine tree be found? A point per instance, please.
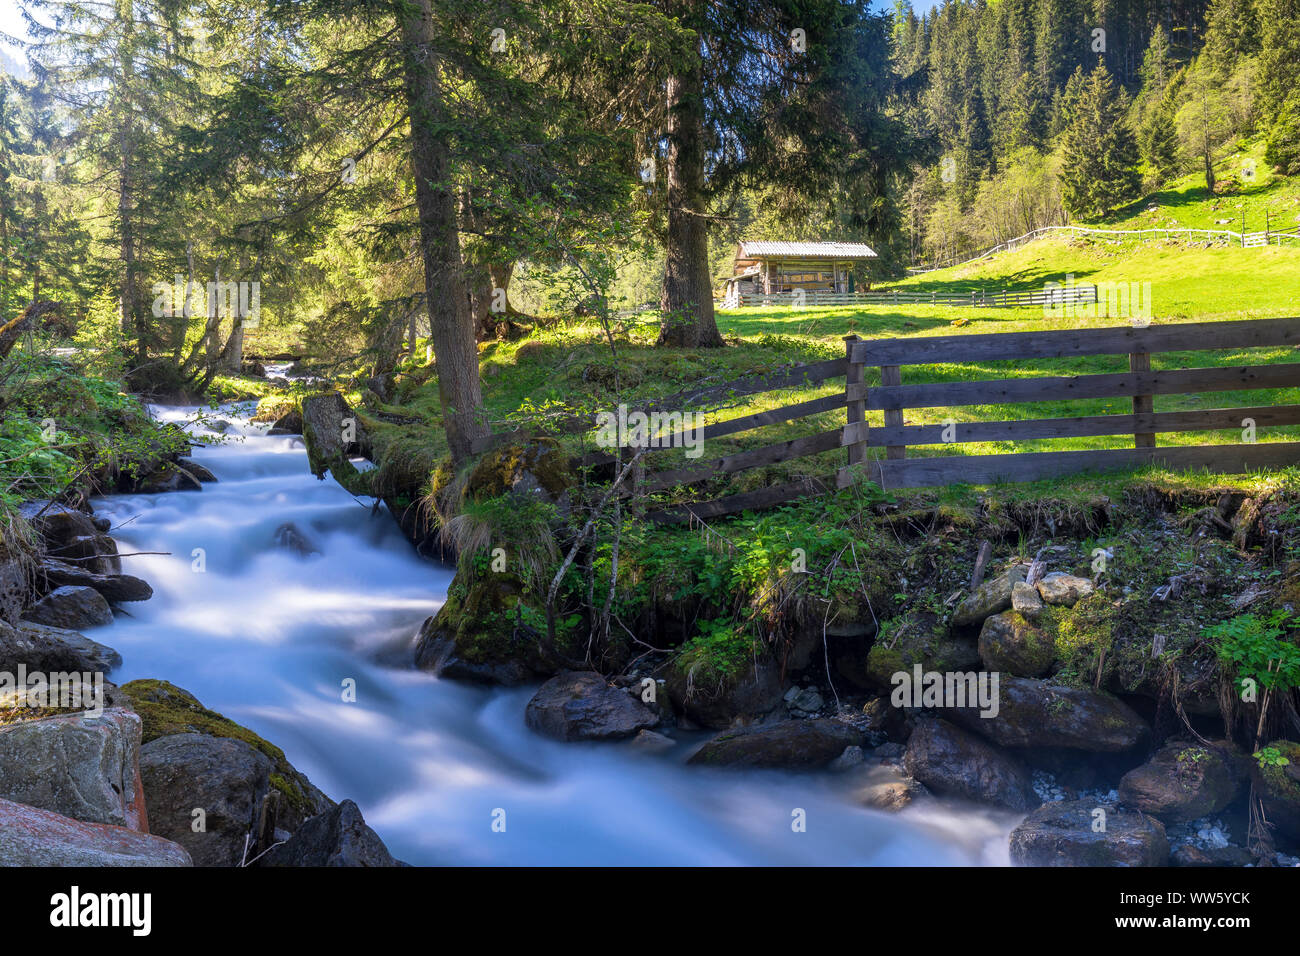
(1099, 150)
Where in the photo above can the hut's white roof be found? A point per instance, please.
(811, 250)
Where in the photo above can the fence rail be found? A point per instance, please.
(892, 397)
(986, 298)
(1246, 239)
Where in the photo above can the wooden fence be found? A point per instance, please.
(892, 397)
(1268, 237)
(990, 298)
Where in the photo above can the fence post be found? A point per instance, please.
(1142, 404)
(893, 375)
(857, 408)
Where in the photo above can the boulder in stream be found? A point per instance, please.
(580, 705)
(1182, 782)
(30, 836)
(954, 763)
(1033, 713)
(338, 837)
(1081, 833)
(784, 744)
(71, 607)
(77, 766)
(208, 794)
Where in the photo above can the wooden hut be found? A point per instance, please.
(768, 268)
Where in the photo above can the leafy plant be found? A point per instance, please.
(1257, 648)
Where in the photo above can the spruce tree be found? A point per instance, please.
(1099, 151)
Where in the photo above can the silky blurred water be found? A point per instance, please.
(268, 638)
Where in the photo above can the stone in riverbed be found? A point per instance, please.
(786, 744)
(652, 742)
(1180, 783)
(338, 837)
(71, 608)
(1009, 644)
(53, 649)
(753, 691)
(1033, 713)
(1064, 589)
(1062, 834)
(226, 779)
(116, 588)
(1190, 855)
(954, 763)
(991, 597)
(33, 837)
(76, 766)
(580, 705)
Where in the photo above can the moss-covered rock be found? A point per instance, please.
(1182, 782)
(479, 634)
(918, 638)
(1010, 644)
(166, 709)
(539, 465)
(1278, 785)
(722, 674)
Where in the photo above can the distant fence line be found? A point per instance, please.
(1065, 295)
(1246, 239)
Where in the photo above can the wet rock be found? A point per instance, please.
(288, 537)
(71, 607)
(785, 744)
(14, 590)
(290, 423)
(892, 796)
(954, 763)
(76, 766)
(473, 637)
(1011, 645)
(652, 742)
(1279, 788)
(852, 757)
(753, 692)
(1033, 713)
(918, 639)
(1190, 855)
(225, 779)
(1062, 834)
(53, 649)
(165, 479)
(338, 837)
(580, 705)
(56, 523)
(991, 597)
(807, 699)
(115, 588)
(168, 710)
(33, 837)
(1180, 783)
(196, 470)
(1026, 601)
(1064, 589)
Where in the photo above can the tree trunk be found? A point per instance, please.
(450, 321)
(484, 295)
(131, 319)
(687, 297)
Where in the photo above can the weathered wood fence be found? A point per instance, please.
(988, 298)
(892, 397)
